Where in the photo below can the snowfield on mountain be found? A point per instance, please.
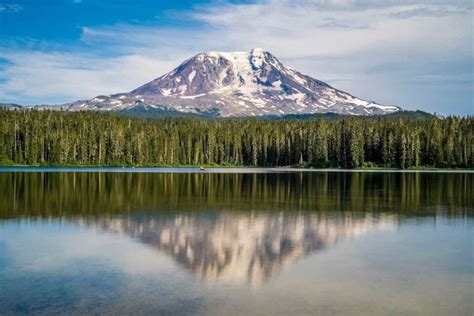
(251, 83)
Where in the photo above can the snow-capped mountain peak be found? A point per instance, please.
(238, 84)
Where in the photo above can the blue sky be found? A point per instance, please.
(417, 54)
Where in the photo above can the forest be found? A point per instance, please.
(88, 138)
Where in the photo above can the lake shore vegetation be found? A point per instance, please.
(88, 138)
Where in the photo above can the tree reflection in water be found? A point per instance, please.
(231, 226)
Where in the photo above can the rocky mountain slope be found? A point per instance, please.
(251, 83)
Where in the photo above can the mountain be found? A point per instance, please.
(251, 83)
(11, 106)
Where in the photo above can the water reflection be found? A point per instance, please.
(72, 194)
(236, 247)
(118, 243)
(199, 219)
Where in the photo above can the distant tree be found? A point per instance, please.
(96, 138)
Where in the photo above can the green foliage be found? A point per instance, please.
(4, 161)
(87, 138)
(415, 115)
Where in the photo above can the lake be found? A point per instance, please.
(235, 242)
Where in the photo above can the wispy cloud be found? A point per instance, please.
(340, 41)
(5, 8)
(63, 77)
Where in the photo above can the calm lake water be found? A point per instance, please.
(260, 242)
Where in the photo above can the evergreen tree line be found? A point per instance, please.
(32, 137)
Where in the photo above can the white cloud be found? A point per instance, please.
(307, 30)
(70, 76)
(10, 8)
(340, 41)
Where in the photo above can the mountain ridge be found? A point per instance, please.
(231, 84)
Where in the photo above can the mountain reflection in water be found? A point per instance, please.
(292, 243)
(239, 247)
(237, 227)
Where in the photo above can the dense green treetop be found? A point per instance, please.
(32, 137)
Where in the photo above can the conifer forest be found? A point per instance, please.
(88, 138)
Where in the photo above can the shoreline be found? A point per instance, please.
(183, 169)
